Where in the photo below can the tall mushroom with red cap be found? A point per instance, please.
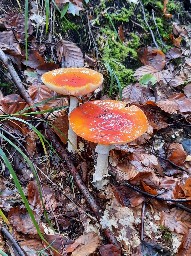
(75, 82)
(107, 122)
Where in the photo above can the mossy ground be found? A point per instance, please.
(118, 50)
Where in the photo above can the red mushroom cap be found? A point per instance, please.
(72, 81)
(108, 122)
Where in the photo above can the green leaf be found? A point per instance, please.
(148, 78)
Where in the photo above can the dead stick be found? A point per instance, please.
(12, 241)
(16, 78)
(72, 169)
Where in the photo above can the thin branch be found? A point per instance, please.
(145, 19)
(16, 78)
(14, 244)
(153, 15)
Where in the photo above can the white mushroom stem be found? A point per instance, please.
(101, 168)
(72, 137)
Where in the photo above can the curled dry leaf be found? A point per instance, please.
(152, 57)
(69, 54)
(176, 154)
(9, 44)
(84, 245)
(166, 14)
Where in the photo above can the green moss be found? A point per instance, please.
(166, 233)
(68, 25)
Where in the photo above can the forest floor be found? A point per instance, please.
(49, 204)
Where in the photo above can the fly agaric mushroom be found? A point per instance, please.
(107, 122)
(73, 82)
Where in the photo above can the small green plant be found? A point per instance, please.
(166, 234)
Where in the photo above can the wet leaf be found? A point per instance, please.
(69, 54)
(169, 106)
(84, 245)
(149, 189)
(152, 57)
(148, 79)
(176, 154)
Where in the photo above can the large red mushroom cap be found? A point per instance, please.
(72, 81)
(108, 122)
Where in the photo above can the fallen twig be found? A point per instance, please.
(13, 243)
(175, 202)
(7, 62)
(89, 198)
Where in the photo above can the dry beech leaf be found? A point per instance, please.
(176, 221)
(187, 90)
(84, 245)
(126, 196)
(109, 250)
(185, 247)
(136, 93)
(187, 187)
(60, 125)
(34, 59)
(31, 138)
(70, 54)
(40, 92)
(16, 22)
(144, 70)
(174, 53)
(9, 44)
(148, 189)
(49, 196)
(168, 106)
(184, 104)
(176, 154)
(21, 220)
(176, 40)
(12, 103)
(59, 242)
(34, 197)
(152, 57)
(156, 119)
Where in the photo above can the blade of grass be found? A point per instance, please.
(26, 27)
(20, 190)
(30, 164)
(47, 11)
(3, 253)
